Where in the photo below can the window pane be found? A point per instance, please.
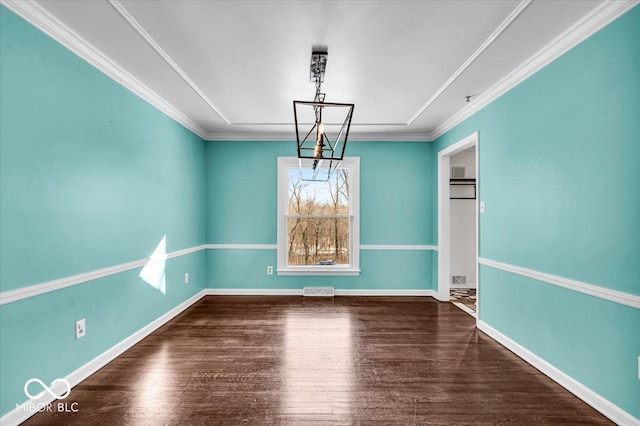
(319, 198)
(323, 241)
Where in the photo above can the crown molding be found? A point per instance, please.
(600, 17)
(165, 56)
(40, 18)
(290, 136)
(501, 28)
(239, 137)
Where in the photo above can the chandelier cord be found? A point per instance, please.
(318, 83)
(317, 98)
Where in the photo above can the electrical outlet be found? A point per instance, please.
(80, 329)
(186, 278)
(269, 270)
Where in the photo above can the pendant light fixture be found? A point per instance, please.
(321, 148)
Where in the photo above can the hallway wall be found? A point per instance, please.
(559, 174)
(463, 222)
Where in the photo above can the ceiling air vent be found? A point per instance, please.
(457, 172)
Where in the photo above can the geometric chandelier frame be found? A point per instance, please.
(321, 148)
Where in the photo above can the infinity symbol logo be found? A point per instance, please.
(47, 388)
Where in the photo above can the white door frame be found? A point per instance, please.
(444, 227)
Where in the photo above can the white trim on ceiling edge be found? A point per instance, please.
(592, 290)
(47, 23)
(54, 28)
(354, 136)
(600, 17)
(475, 55)
(39, 17)
(603, 405)
(165, 56)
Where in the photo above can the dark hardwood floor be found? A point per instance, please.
(349, 360)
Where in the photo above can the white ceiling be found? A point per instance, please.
(233, 68)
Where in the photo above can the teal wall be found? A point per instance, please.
(91, 176)
(381, 270)
(559, 173)
(396, 192)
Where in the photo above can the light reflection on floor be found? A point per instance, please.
(155, 391)
(319, 366)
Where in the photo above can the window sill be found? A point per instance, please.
(325, 271)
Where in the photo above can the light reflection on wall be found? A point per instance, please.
(318, 371)
(153, 273)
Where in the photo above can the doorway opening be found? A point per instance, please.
(458, 278)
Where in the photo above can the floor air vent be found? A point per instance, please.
(318, 291)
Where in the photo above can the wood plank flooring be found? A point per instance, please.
(350, 360)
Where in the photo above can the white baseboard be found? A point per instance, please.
(253, 292)
(606, 407)
(15, 416)
(365, 292)
(298, 292)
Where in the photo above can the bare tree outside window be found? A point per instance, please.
(318, 220)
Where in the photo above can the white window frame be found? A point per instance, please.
(353, 164)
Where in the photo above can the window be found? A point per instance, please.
(318, 222)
